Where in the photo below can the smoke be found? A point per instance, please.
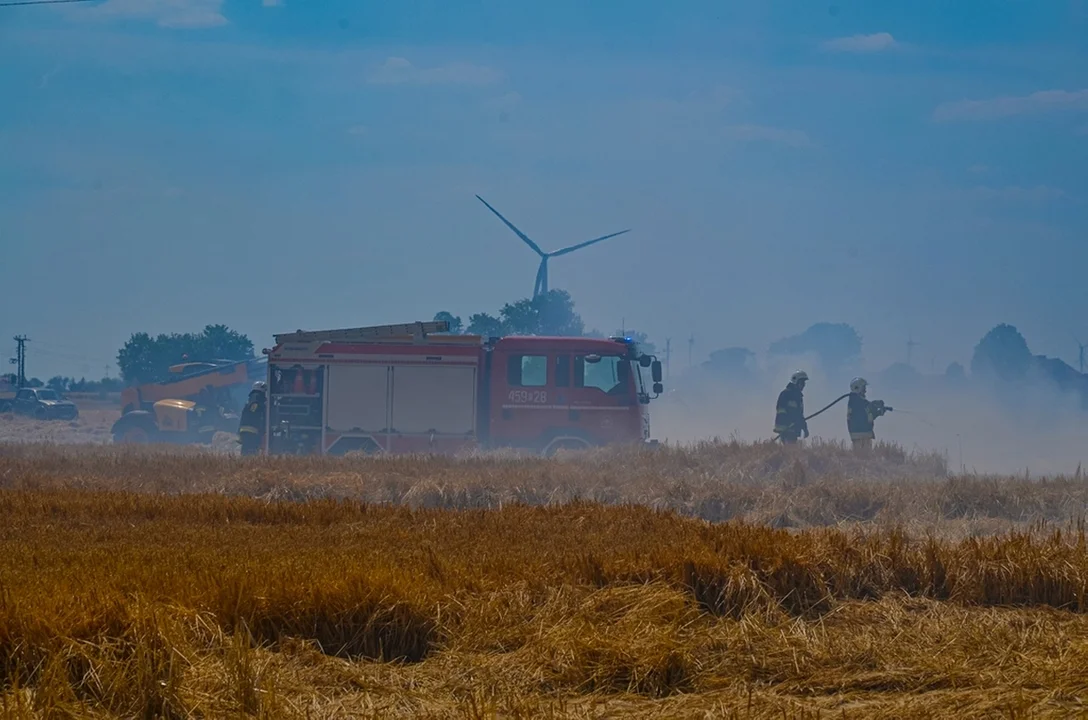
(1032, 427)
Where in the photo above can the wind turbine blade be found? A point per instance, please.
(541, 285)
(519, 233)
(587, 243)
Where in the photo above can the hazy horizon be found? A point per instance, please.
(908, 169)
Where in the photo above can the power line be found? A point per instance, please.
(51, 351)
(13, 3)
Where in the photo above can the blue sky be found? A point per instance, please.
(912, 168)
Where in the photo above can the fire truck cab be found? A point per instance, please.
(413, 388)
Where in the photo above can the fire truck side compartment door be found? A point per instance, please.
(357, 398)
(441, 398)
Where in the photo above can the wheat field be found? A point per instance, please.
(721, 580)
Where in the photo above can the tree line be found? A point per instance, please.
(145, 358)
(1002, 355)
(552, 313)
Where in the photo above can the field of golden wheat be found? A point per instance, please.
(721, 580)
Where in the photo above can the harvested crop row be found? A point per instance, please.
(125, 603)
(768, 484)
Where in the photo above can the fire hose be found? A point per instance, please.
(825, 408)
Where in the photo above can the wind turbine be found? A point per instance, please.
(911, 344)
(541, 285)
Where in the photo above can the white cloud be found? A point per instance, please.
(358, 130)
(179, 14)
(763, 133)
(272, 3)
(1002, 107)
(877, 42)
(399, 71)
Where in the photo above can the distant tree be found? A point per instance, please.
(1059, 373)
(557, 314)
(730, 363)
(456, 326)
(34, 383)
(956, 372)
(730, 359)
(485, 325)
(105, 385)
(58, 383)
(218, 342)
(521, 317)
(1002, 354)
(838, 345)
(549, 314)
(139, 358)
(145, 359)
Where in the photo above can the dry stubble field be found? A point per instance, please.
(718, 581)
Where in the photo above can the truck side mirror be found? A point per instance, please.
(655, 370)
(658, 388)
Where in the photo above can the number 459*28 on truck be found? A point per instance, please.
(412, 388)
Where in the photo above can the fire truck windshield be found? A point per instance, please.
(608, 373)
(632, 365)
(636, 368)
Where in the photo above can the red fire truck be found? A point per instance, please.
(416, 388)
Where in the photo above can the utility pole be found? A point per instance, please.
(20, 359)
(691, 345)
(910, 348)
(668, 354)
(1081, 356)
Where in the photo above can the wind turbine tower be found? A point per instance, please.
(540, 287)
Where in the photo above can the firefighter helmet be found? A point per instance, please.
(799, 376)
(858, 385)
(259, 386)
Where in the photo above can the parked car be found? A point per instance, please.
(44, 404)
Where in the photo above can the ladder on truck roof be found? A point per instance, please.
(418, 330)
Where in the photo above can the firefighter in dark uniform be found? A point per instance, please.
(789, 416)
(251, 425)
(861, 413)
